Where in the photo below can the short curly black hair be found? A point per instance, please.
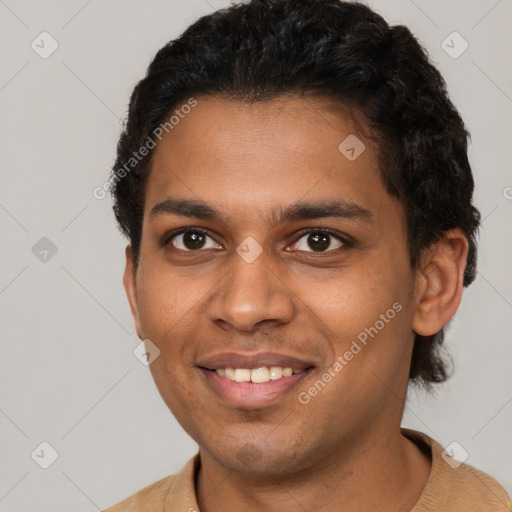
(330, 49)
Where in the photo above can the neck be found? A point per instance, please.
(385, 474)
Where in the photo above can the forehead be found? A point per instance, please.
(249, 158)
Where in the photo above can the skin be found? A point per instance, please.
(345, 445)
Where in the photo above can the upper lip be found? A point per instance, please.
(252, 360)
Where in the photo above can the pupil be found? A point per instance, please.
(193, 240)
(323, 240)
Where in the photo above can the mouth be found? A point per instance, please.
(253, 381)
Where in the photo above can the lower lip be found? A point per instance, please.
(250, 395)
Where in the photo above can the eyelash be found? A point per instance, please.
(345, 241)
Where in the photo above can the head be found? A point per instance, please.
(262, 114)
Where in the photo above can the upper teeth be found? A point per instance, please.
(257, 375)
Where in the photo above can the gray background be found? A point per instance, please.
(68, 374)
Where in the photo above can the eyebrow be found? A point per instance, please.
(298, 211)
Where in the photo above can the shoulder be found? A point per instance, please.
(150, 498)
(454, 486)
(174, 492)
(476, 489)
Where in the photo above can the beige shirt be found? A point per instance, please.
(448, 489)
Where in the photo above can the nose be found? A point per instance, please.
(251, 295)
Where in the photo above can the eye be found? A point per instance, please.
(319, 241)
(192, 239)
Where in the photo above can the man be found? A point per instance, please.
(294, 184)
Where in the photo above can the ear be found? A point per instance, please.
(439, 283)
(130, 287)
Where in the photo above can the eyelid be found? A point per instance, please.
(345, 240)
(168, 237)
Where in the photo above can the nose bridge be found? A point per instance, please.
(251, 293)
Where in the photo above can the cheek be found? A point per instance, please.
(167, 301)
(365, 314)
(370, 357)
(352, 299)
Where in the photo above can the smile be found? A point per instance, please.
(256, 375)
(237, 389)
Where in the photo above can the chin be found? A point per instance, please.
(261, 458)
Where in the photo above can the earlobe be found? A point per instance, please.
(439, 283)
(130, 287)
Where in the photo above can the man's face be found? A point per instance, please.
(264, 289)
